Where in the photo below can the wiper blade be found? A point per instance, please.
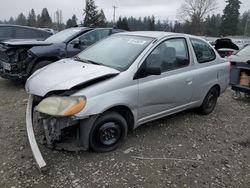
(92, 62)
(77, 58)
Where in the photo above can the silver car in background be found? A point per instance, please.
(92, 100)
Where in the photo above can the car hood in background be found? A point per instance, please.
(240, 59)
(64, 75)
(22, 42)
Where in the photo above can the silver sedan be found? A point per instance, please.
(91, 101)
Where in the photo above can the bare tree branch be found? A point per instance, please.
(196, 8)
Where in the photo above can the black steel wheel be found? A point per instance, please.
(209, 102)
(108, 132)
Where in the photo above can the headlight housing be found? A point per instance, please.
(61, 106)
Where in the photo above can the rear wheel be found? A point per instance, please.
(209, 102)
(40, 65)
(108, 132)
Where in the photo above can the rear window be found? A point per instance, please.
(25, 33)
(203, 51)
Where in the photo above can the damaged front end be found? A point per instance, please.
(16, 60)
(54, 110)
(54, 128)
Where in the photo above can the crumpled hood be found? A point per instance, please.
(22, 42)
(64, 75)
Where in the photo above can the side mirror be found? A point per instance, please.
(75, 43)
(248, 62)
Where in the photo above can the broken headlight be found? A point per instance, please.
(61, 106)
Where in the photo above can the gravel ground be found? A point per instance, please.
(183, 150)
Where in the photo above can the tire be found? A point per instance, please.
(40, 65)
(209, 102)
(108, 132)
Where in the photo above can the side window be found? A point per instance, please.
(204, 52)
(26, 33)
(45, 34)
(169, 55)
(93, 36)
(5, 32)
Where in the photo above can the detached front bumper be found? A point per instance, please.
(31, 136)
(80, 141)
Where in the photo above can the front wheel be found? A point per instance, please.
(209, 102)
(108, 132)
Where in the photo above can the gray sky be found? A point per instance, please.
(162, 9)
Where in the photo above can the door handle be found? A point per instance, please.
(189, 81)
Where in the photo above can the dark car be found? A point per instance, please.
(8, 31)
(19, 59)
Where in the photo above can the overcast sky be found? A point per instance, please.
(162, 9)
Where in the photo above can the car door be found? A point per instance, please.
(86, 40)
(172, 90)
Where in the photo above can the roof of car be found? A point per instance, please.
(153, 34)
(159, 34)
(12, 25)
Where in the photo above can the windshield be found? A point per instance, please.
(244, 52)
(63, 35)
(117, 52)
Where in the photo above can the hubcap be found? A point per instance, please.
(109, 133)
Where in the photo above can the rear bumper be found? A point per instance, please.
(31, 136)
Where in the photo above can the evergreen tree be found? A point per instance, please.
(91, 14)
(230, 18)
(122, 23)
(38, 21)
(244, 24)
(31, 21)
(74, 20)
(102, 19)
(158, 26)
(152, 23)
(11, 21)
(71, 22)
(45, 20)
(21, 19)
(212, 25)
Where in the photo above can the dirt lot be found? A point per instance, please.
(184, 150)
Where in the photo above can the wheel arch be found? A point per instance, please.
(125, 112)
(40, 59)
(217, 86)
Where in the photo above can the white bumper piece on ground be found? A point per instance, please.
(31, 136)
